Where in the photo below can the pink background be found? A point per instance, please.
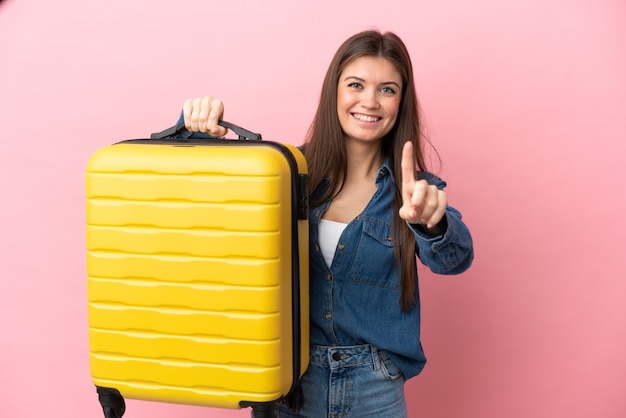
(525, 101)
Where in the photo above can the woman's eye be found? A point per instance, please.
(387, 90)
(355, 85)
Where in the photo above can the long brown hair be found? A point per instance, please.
(325, 149)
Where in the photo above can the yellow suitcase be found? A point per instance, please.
(197, 264)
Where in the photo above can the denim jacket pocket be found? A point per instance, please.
(374, 262)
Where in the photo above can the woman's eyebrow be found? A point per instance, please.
(353, 77)
(391, 82)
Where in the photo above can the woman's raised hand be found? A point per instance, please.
(202, 115)
(422, 203)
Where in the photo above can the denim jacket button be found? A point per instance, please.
(341, 246)
(328, 315)
(329, 277)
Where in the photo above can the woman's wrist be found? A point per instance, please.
(436, 230)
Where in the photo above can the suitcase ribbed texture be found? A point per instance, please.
(189, 259)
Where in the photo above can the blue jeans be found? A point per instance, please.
(355, 382)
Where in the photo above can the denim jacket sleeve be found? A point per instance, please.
(450, 253)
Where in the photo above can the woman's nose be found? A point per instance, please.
(369, 99)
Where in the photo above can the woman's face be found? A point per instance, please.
(368, 98)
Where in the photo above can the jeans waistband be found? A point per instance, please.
(335, 357)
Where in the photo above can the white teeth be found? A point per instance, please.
(365, 118)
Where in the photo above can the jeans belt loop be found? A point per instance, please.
(375, 358)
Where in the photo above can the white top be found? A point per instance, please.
(329, 234)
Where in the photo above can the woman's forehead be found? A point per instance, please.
(371, 69)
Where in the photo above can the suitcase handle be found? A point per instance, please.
(179, 129)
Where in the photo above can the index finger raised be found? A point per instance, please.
(408, 163)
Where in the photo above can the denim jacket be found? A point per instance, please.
(357, 300)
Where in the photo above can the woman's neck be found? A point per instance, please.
(363, 160)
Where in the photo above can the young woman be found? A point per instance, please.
(371, 214)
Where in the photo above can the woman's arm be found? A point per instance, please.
(451, 252)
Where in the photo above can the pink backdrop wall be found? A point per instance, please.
(525, 101)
